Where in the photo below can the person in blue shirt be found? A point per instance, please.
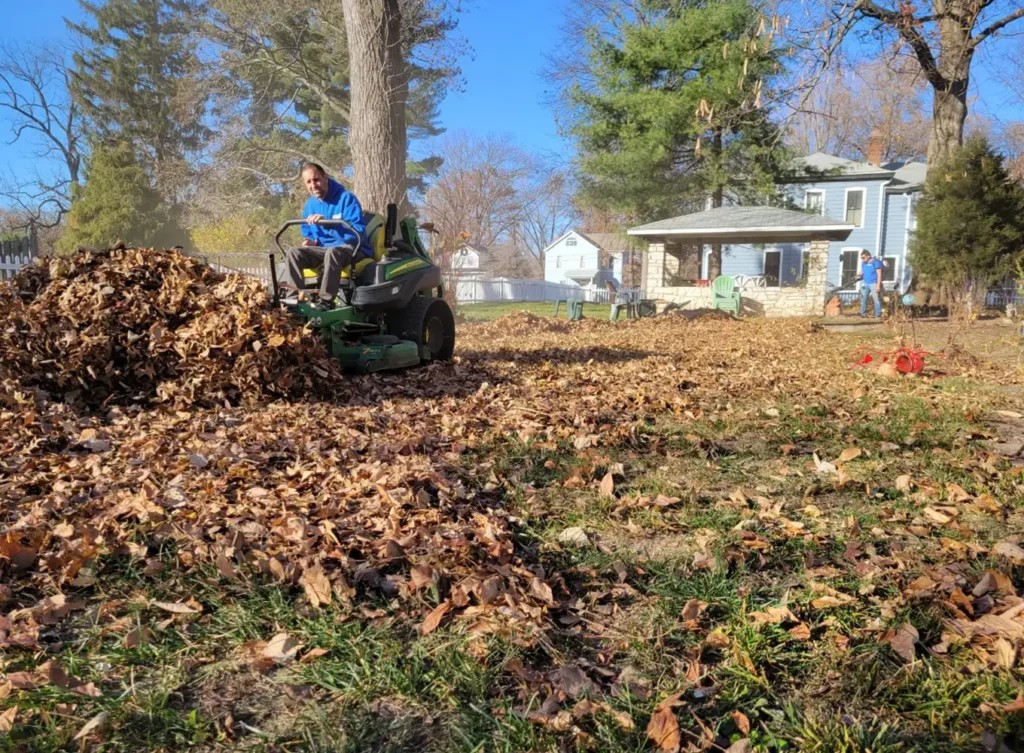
(333, 247)
(871, 283)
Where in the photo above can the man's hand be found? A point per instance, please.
(313, 219)
(310, 242)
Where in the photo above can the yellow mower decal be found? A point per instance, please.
(414, 264)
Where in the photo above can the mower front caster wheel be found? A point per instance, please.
(429, 323)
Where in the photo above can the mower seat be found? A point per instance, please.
(375, 237)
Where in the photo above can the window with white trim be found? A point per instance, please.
(814, 201)
(855, 206)
(889, 270)
(570, 241)
(849, 265)
(772, 268)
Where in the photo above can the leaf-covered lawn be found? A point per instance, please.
(601, 536)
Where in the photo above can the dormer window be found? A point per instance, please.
(570, 241)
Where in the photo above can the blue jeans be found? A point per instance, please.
(869, 290)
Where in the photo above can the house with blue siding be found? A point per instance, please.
(878, 200)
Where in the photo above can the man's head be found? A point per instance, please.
(864, 255)
(315, 179)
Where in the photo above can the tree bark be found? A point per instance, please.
(380, 88)
(715, 260)
(949, 101)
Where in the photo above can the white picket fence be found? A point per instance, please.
(14, 255)
(466, 290)
(507, 289)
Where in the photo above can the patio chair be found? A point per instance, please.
(724, 295)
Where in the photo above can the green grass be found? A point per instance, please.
(489, 311)
(380, 686)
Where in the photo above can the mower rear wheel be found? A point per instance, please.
(429, 323)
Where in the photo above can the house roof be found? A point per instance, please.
(610, 242)
(747, 225)
(907, 175)
(838, 168)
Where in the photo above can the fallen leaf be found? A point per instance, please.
(663, 729)
(742, 722)
(828, 602)
(903, 482)
(850, 453)
(693, 609)
(433, 620)
(175, 607)
(574, 536)
(800, 633)
(7, 719)
(313, 653)
(421, 576)
(316, 586)
(1006, 654)
(936, 517)
(140, 636)
(957, 493)
(541, 590)
(607, 489)
(281, 649)
(570, 680)
(1010, 550)
(740, 746)
(717, 639)
(96, 724)
(904, 641)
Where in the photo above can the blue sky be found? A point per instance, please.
(504, 88)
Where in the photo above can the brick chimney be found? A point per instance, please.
(876, 148)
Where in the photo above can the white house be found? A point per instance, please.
(576, 257)
(469, 261)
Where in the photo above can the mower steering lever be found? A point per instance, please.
(326, 223)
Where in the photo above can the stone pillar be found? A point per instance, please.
(817, 272)
(654, 265)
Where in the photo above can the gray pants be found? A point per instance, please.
(334, 259)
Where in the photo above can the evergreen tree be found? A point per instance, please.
(138, 80)
(676, 110)
(117, 203)
(970, 221)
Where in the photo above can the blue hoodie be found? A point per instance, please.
(339, 204)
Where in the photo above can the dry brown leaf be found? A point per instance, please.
(1005, 653)
(903, 482)
(717, 639)
(742, 722)
(936, 516)
(313, 653)
(773, 615)
(421, 576)
(828, 602)
(800, 633)
(607, 489)
(7, 718)
(316, 586)
(175, 607)
(663, 729)
(850, 453)
(433, 620)
(541, 590)
(904, 641)
(740, 746)
(94, 725)
(1010, 550)
(140, 636)
(281, 649)
(957, 493)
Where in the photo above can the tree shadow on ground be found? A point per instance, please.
(567, 356)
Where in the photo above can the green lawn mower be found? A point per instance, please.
(394, 314)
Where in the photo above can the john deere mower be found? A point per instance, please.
(393, 313)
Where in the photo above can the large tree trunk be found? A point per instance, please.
(715, 260)
(380, 88)
(949, 100)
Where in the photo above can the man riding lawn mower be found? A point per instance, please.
(381, 302)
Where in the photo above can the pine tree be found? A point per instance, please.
(970, 221)
(117, 203)
(677, 110)
(137, 79)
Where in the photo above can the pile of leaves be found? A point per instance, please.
(143, 325)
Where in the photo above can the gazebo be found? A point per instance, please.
(779, 257)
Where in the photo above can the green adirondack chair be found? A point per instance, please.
(724, 295)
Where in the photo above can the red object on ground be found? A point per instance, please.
(906, 360)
